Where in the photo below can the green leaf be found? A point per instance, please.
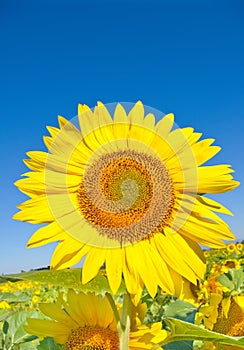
(225, 281)
(238, 277)
(14, 297)
(69, 278)
(182, 345)
(5, 313)
(16, 322)
(29, 345)
(49, 343)
(186, 312)
(30, 338)
(5, 327)
(179, 308)
(181, 331)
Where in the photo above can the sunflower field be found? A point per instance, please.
(129, 197)
(216, 304)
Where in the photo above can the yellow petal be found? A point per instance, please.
(87, 120)
(37, 160)
(53, 311)
(62, 121)
(213, 205)
(46, 234)
(53, 131)
(131, 275)
(94, 260)
(87, 307)
(149, 121)
(204, 151)
(114, 263)
(226, 306)
(121, 124)
(35, 210)
(173, 256)
(42, 328)
(164, 126)
(103, 115)
(136, 114)
(68, 253)
(215, 179)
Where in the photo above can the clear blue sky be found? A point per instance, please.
(184, 57)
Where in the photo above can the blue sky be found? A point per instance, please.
(184, 57)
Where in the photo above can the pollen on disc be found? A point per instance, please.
(89, 338)
(126, 195)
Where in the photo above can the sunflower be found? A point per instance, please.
(231, 247)
(231, 264)
(126, 193)
(223, 315)
(208, 313)
(230, 319)
(206, 254)
(239, 247)
(35, 299)
(190, 293)
(4, 305)
(86, 321)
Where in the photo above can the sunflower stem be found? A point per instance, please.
(124, 332)
(114, 308)
(123, 323)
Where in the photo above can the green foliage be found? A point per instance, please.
(184, 311)
(4, 314)
(179, 309)
(49, 343)
(14, 297)
(69, 278)
(182, 331)
(13, 334)
(156, 306)
(46, 285)
(233, 280)
(5, 327)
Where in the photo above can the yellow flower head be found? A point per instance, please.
(239, 247)
(232, 264)
(21, 285)
(4, 305)
(208, 313)
(4, 287)
(35, 299)
(230, 317)
(126, 193)
(206, 253)
(223, 315)
(87, 322)
(231, 247)
(190, 293)
(216, 269)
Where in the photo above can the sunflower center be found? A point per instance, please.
(92, 338)
(232, 325)
(126, 195)
(127, 182)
